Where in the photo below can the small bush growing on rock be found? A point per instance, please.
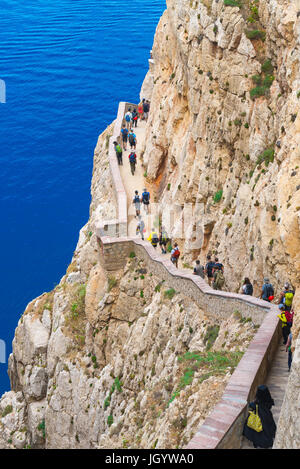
(170, 293)
(255, 34)
(218, 196)
(267, 156)
(8, 409)
(232, 3)
(110, 420)
(267, 66)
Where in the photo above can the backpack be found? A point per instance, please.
(176, 253)
(209, 267)
(146, 196)
(132, 158)
(154, 239)
(269, 290)
(289, 316)
(127, 117)
(219, 280)
(131, 138)
(164, 237)
(136, 199)
(124, 132)
(248, 289)
(118, 149)
(288, 298)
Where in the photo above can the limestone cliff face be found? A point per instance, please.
(210, 131)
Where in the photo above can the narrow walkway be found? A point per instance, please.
(136, 182)
(276, 382)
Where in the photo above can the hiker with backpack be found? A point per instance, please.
(163, 239)
(132, 139)
(118, 150)
(267, 292)
(288, 348)
(247, 288)
(175, 254)
(146, 200)
(209, 269)
(128, 119)
(217, 265)
(134, 118)
(132, 161)
(137, 203)
(219, 279)
(199, 269)
(124, 134)
(146, 109)
(287, 296)
(140, 228)
(153, 238)
(286, 318)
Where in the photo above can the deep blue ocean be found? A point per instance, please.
(66, 64)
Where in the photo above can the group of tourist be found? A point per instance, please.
(127, 133)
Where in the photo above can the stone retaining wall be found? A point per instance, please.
(223, 427)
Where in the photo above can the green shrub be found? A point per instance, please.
(268, 80)
(110, 420)
(267, 67)
(232, 3)
(218, 196)
(112, 282)
(210, 336)
(8, 410)
(257, 79)
(132, 255)
(237, 122)
(258, 91)
(266, 156)
(255, 34)
(170, 293)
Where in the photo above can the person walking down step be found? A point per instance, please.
(146, 200)
(287, 296)
(286, 318)
(260, 427)
(119, 153)
(175, 254)
(219, 279)
(132, 161)
(247, 288)
(128, 119)
(134, 118)
(199, 269)
(137, 203)
(140, 111)
(146, 109)
(267, 292)
(209, 269)
(140, 228)
(124, 133)
(153, 238)
(163, 239)
(132, 139)
(288, 348)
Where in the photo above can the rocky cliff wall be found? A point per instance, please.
(224, 132)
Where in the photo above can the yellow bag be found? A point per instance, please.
(254, 421)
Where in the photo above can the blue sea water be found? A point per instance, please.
(66, 64)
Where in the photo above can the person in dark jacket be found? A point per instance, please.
(264, 403)
(247, 288)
